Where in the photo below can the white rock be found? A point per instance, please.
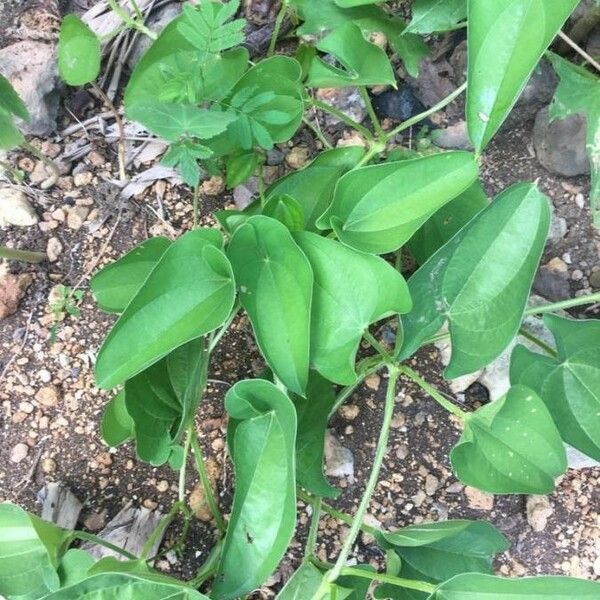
(538, 511)
(15, 209)
(339, 461)
(19, 453)
(54, 249)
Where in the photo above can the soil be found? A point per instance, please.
(63, 438)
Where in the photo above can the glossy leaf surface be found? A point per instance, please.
(262, 437)
(78, 52)
(351, 291)
(378, 208)
(480, 280)
(275, 281)
(116, 426)
(436, 15)
(569, 384)
(506, 39)
(510, 446)
(189, 293)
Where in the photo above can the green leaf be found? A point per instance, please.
(304, 583)
(578, 92)
(487, 587)
(510, 446)
(74, 566)
(10, 135)
(439, 551)
(108, 586)
(569, 384)
(174, 121)
(27, 571)
(275, 282)
(351, 3)
(115, 285)
(362, 63)
(506, 39)
(436, 15)
(240, 167)
(313, 416)
(11, 102)
(480, 281)
(261, 435)
(378, 208)
(446, 222)
(117, 426)
(286, 210)
(78, 52)
(313, 185)
(185, 156)
(189, 293)
(351, 291)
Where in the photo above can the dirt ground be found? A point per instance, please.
(49, 402)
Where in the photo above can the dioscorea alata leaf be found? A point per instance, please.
(78, 52)
(286, 210)
(313, 185)
(480, 280)
(378, 208)
(10, 101)
(74, 566)
(190, 292)
(569, 384)
(506, 39)
(116, 284)
(276, 283)
(117, 425)
(261, 437)
(510, 446)
(436, 15)
(473, 586)
(351, 291)
(10, 135)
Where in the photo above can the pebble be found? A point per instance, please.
(212, 186)
(12, 290)
(19, 453)
(54, 249)
(83, 178)
(48, 396)
(478, 499)
(339, 461)
(373, 381)
(297, 157)
(538, 510)
(48, 465)
(94, 521)
(15, 208)
(162, 485)
(77, 216)
(349, 412)
(432, 483)
(45, 375)
(595, 280)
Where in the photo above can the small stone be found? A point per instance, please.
(199, 505)
(453, 137)
(83, 178)
(297, 157)
(538, 510)
(347, 100)
(53, 249)
(213, 186)
(432, 483)
(96, 158)
(274, 157)
(48, 465)
(399, 105)
(26, 407)
(478, 499)
(15, 208)
(77, 216)
(339, 461)
(45, 375)
(349, 412)
(577, 275)
(595, 280)
(19, 453)
(557, 264)
(48, 396)
(95, 521)
(558, 228)
(373, 381)
(162, 486)
(12, 290)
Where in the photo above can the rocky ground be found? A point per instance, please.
(50, 409)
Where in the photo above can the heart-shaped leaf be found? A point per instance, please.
(78, 52)
(351, 291)
(117, 425)
(261, 437)
(74, 566)
(506, 39)
(275, 282)
(480, 280)
(190, 292)
(510, 446)
(436, 15)
(378, 208)
(10, 135)
(286, 210)
(116, 284)
(569, 384)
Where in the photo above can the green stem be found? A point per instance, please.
(410, 584)
(417, 118)
(94, 539)
(555, 306)
(313, 531)
(363, 373)
(381, 449)
(373, 150)
(210, 566)
(129, 20)
(208, 492)
(435, 394)
(52, 167)
(195, 204)
(160, 529)
(536, 340)
(376, 345)
(183, 470)
(438, 337)
(364, 94)
(338, 114)
(317, 131)
(23, 255)
(278, 22)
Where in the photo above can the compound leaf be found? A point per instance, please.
(480, 280)
(569, 384)
(506, 39)
(275, 282)
(261, 436)
(378, 208)
(510, 446)
(189, 293)
(78, 52)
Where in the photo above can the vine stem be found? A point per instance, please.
(160, 529)
(357, 521)
(540, 343)
(90, 537)
(313, 531)
(411, 584)
(23, 255)
(317, 131)
(367, 368)
(376, 345)
(338, 114)
(555, 306)
(183, 470)
(434, 393)
(364, 94)
(278, 22)
(208, 492)
(563, 36)
(414, 120)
